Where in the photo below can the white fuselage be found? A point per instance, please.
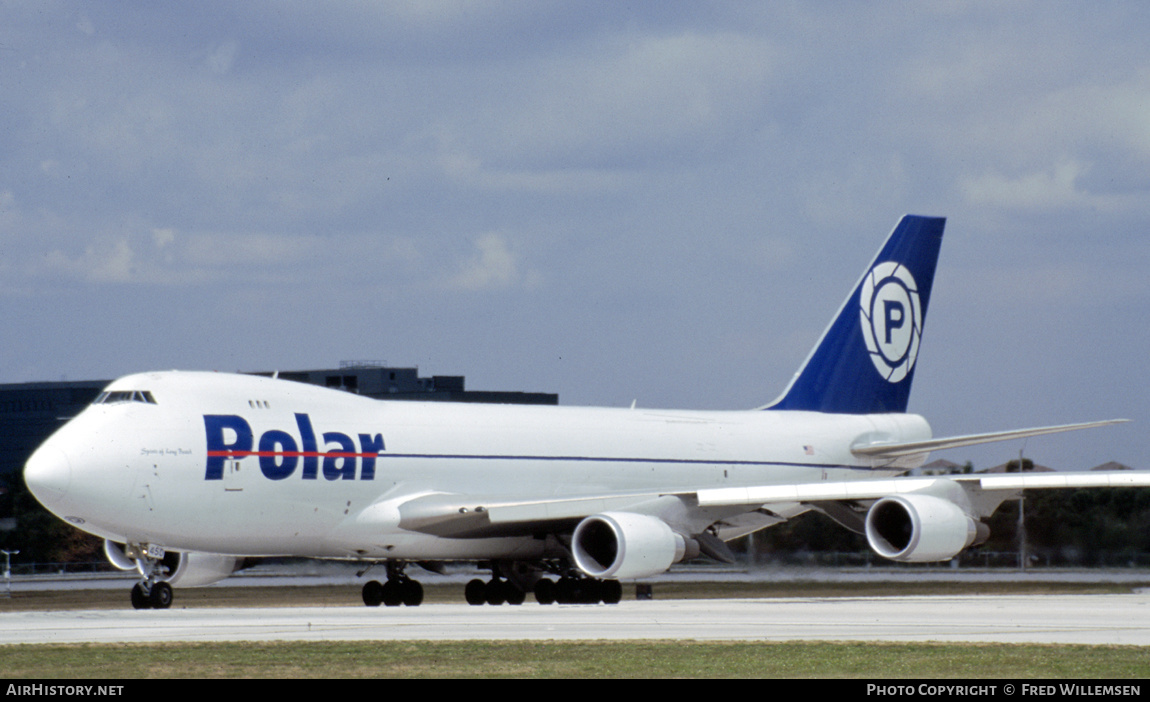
(250, 466)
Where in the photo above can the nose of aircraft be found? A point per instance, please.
(48, 475)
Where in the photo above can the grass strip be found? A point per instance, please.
(509, 659)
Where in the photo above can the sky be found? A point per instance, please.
(660, 202)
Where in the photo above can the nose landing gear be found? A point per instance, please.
(151, 592)
(157, 595)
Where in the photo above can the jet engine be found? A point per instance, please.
(619, 545)
(186, 569)
(921, 528)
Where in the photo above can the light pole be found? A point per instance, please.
(1021, 527)
(8, 571)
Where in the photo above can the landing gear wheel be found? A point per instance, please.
(392, 593)
(161, 595)
(495, 592)
(513, 594)
(611, 591)
(566, 591)
(140, 597)
(412, 593)
(587, 591)
(545, 591)
(476, 592)
(373, 593)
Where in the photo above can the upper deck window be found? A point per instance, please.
(114, 396)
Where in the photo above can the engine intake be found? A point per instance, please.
(620, 545)
(921, 528)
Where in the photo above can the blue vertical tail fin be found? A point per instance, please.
(864, 363)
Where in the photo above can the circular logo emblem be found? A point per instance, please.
(891, 318)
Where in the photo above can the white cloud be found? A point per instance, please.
(470, 171)
(621, 100)
(163, 238)
(493, 267)
(222, 57)
(1054, 189)
(105, 261)
(253, 251)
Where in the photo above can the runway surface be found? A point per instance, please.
(1082, 619)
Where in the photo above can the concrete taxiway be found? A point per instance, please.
(1079, 619)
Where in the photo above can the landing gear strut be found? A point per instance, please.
(399, 589)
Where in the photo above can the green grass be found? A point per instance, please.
(472, 659)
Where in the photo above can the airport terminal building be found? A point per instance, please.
(30, 412)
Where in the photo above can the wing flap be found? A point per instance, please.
(559, 509)
(456, 515)
(814, 492)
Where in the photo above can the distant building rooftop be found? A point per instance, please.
(1027, 467)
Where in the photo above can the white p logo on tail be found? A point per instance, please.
(891, 319)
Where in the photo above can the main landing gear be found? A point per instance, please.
(578, 590)
(399, 589)
(509, 584)
(571, 588)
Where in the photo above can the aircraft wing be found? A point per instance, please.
(877, 489)
(459, 515)
(455, 515)
(896, 450)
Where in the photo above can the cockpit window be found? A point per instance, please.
(115, 396)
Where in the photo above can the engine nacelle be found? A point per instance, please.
(114, 552)
(920, 528)
(198, 569)
(186, 569)
(619, 545)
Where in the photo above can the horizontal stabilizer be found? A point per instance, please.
(895, 450)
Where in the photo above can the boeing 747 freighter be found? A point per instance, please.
(187, 474)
